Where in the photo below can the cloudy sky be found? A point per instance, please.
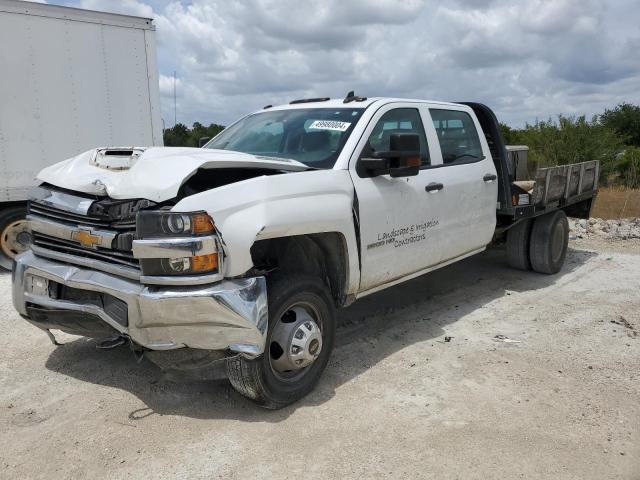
(527, 59)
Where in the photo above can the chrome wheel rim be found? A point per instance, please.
(15, 238)
(296, 342)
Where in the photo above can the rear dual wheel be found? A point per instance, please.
(518, 245)
(539, 244)
(298, 345)
(549, 242)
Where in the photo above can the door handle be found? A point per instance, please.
(434, 187)
(489, 177)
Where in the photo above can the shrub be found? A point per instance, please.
(627, 168)
(568, 140)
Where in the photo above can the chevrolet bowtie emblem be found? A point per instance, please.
(86, 238)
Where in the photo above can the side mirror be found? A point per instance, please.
(402, 160)
(203, 141)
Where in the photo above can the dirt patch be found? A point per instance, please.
(622, 321)
(613, 203)
(472, 371)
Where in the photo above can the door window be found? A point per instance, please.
(399, 120)
(458, 136)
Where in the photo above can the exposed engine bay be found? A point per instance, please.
(206, 179)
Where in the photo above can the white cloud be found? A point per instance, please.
(527, 59)
(168, 84)
(127, 7)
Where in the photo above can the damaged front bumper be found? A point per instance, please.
(227, 315)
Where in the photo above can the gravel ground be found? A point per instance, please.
(473, 371)
(621, 229)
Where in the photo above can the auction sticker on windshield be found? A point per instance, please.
(329, 125)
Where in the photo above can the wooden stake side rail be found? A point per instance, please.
(565, 184)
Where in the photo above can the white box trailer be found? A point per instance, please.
(70, 80)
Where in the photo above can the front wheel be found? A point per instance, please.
(298, 345)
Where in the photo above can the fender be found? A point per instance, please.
(275, 206)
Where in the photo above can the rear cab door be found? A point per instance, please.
(463, 165)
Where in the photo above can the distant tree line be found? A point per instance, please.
(182, 136)
(612, 137)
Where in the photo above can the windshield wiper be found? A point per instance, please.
(284, 159)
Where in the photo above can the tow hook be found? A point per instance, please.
(111, 342)
(52, 338)
(119, 340)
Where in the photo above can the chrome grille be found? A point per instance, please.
(51, 235)
(69, 247)
(56, 214)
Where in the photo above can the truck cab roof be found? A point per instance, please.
(362, 103)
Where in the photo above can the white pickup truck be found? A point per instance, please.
(241, 251)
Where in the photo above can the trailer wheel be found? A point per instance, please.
(298, 345)
(518, 242)
(14, 234)
(549, 241)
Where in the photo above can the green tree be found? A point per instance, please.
(508, 134)
(176, 136)
(181, 136)
(211, 131)
(627, 168)
(568, 140)
(624, 120)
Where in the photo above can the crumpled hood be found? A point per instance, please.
(154, 173)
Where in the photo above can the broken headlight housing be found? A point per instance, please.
(159, 224)
(166, 226)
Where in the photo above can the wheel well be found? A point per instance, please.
(13, 204)
(321, 254)
(581, 209)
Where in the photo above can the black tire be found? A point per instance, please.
(549, 242)
(256, 378)
(7, 217)
(518, 240)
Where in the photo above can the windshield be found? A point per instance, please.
(313, 136)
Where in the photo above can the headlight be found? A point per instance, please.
(155, 224)
(180, 266)
(166, 232)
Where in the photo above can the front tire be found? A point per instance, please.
(549, 242)
(299, 342)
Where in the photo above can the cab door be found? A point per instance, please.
(470, 188)
(398, 228)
